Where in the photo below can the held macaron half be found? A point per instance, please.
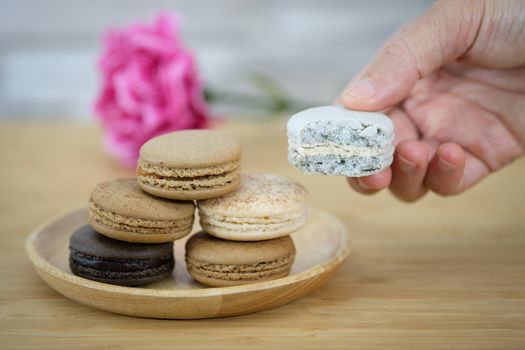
(264, 206)
(189, 165)
(217, 262)
(121, 210)
(99, 258)
(332, 140)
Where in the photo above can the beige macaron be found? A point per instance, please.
(119, 209)
(190, 164)
(217, 262)
(264, 206)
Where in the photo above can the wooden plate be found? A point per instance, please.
(321, 247)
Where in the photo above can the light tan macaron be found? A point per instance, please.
(190, 164)
(217, 262)
(119, 209)
(264, 206)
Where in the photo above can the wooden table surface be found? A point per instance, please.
(437, 273)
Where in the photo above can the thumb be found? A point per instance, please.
(442, 35)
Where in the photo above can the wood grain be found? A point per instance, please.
(443, 272)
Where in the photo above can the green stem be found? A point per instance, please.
(274, 105)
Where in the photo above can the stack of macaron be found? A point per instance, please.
(246, 232)
(246, 219)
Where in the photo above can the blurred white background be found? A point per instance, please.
(48, 49)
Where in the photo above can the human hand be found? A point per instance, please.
(453, 82)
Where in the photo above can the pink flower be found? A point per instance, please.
(150, 86)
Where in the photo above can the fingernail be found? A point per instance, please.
(362, 184)
(362, 88)
(405, 165)
(459, 187)
(445, 166)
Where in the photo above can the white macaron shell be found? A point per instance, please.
(342, 116)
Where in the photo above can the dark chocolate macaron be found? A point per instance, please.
(97, 257)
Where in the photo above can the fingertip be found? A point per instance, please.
(447, 170)
(360, 94)
(412, 151)
(451, 155)
(371, 184)
(354, 184)
(377, 181)
(409, 168)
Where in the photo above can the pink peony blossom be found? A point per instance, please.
(150, 86)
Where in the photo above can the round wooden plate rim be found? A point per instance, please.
(41, 263)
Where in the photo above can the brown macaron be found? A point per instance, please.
(119, 209)
(218, 262)
(190, 164)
